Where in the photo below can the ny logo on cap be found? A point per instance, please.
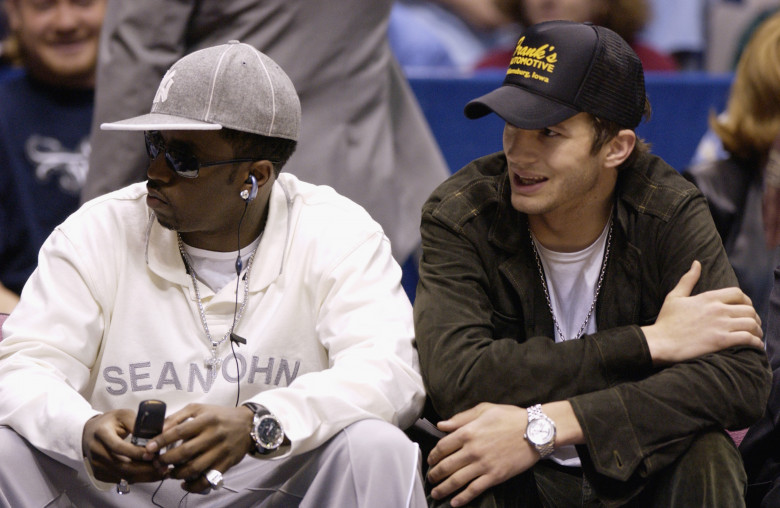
(165, 85)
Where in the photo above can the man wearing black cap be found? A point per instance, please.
(576, 305)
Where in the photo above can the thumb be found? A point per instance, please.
(685, 286)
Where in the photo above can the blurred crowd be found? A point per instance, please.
(472, 35)
(66, 66)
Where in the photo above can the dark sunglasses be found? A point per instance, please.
(184, 164)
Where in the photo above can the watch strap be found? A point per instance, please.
(535, 413)
(259, 411)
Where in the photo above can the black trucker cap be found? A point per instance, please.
(561, 68)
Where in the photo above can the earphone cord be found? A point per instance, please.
(239, 266)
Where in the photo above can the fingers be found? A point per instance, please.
(210, 437)
(687, 282)
(193, 472)
(452, 442)
(730, 296)
(445, 447)
(730, 318)
(454, 473)
(111, 468)
(182, 415)
(104, 436)
(462, 418)
(748, 339)
(474, 489)
(458, 471)
(172, 433)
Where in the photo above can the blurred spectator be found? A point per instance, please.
(734, 185)
(3, 23)
(363, 132)
(747, 33)
(710, 147)
(414, 44)
(760, 447)
(677, 28)
(447, 34)
(8, 67)
(625, 17)
(45, 114)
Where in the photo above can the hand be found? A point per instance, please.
(691, 326)
(110, 456)
(485, 447)
(213, 437)
(770, 203)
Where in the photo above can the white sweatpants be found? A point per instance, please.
(370, 464)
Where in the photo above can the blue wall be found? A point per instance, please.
(681, 104)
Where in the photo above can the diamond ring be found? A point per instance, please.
(122, 487)
(214, 478)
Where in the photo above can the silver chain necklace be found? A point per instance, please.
(595, 296)
(213, 362)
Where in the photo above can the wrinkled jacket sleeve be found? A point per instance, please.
(641, 426)
(364, 323)
(45, 363)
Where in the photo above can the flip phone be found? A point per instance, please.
(149, 421)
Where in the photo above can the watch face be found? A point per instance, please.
(540, 431)
(269, 432)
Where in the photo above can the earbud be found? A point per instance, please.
(249, 195)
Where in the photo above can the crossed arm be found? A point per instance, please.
(485, 445)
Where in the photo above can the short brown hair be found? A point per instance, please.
(604, 130)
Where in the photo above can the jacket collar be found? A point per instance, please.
(164, 259)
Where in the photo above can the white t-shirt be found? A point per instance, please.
(216, 269)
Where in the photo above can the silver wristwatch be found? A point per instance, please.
(540, 431)
(267, 432)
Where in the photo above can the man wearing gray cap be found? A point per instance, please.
(264, 313)
(581, 335)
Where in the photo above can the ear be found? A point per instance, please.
(619, 148)
(263, 171)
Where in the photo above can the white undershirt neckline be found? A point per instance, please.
(571, 282)
(217, 269)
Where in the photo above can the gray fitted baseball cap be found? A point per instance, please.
(232, 85)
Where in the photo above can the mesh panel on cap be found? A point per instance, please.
(614, 88)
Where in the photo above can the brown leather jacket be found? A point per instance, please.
(484, 330)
